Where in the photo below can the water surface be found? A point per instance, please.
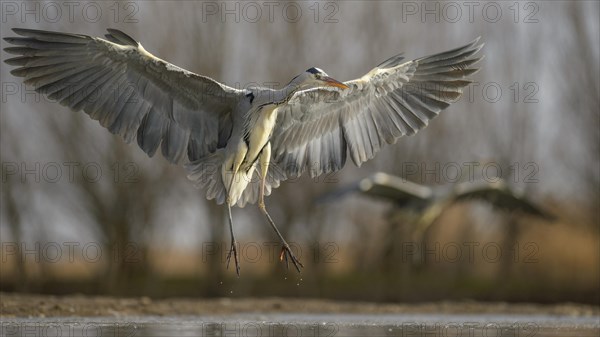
(314, 325)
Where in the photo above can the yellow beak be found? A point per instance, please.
(334, 83)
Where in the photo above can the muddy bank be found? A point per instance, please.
(30, 305)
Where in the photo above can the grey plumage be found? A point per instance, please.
(239, 144)
(319, 127)
(428, 203)
(129, 91)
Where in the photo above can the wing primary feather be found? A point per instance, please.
(122, 38)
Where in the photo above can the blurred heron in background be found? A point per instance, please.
(427, 204)
(239, 144)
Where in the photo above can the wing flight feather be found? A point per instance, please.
(128, 90)
(318, 128)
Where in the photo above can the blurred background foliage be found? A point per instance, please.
(84, 212)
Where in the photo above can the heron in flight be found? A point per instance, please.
(239, 144)
(427, 204)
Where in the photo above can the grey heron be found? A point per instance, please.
(428, 203)
(239, 144)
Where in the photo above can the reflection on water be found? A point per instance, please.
(310, 325)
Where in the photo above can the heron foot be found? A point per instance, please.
(287, 254)
(286, 251)
(233, 251)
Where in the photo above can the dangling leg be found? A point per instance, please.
(235, 166)
(286, 251)
(233, 248)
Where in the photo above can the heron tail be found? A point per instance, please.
(205, 173)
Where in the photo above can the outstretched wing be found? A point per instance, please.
(385, 186)
(500, 196)
(128, 90)
(319, 127)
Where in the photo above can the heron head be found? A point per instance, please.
(315, 77)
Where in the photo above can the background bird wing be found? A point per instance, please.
(383, 185)
(500, 196)
(128, 90)
(319, 127)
